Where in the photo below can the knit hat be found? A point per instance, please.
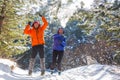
(36, 22)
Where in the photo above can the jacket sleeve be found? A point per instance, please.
(63, 43)
(27, 30)
(45, 23)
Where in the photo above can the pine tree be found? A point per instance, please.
(9, 20)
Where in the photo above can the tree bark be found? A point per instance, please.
(1, 23)
(2, 16)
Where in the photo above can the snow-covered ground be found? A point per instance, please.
(90, 72)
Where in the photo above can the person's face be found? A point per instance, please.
(60, 31)
(36, 25)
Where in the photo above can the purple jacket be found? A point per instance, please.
(59, 42)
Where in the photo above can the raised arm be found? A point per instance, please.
(27, 30)
(45, 23)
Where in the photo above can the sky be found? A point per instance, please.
(63, 11)
(28, 6)
(71, 9)
(86, 2)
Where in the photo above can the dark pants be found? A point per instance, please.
(56, 59)
(38, 49)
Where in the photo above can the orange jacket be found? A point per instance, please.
(37, 35)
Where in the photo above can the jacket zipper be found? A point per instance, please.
(37, 36)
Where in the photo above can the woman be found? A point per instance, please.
(58, 50)
(36, 31)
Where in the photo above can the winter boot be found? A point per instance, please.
(42, 72)
(59, 68)
(42, 65)
(59, 72)
(30, 73)
(31, 65)
(52, 71)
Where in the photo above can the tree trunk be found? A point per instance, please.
(1, 23)
(2, 16)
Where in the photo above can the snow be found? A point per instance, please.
(89, 72)
(19, 47)
(66, 11)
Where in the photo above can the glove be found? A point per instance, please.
(40, 15)
(30, 23)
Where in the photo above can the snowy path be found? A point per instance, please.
(91, 72)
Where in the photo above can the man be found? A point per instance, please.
(36, 32)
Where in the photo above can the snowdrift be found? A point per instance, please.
(89, 72)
